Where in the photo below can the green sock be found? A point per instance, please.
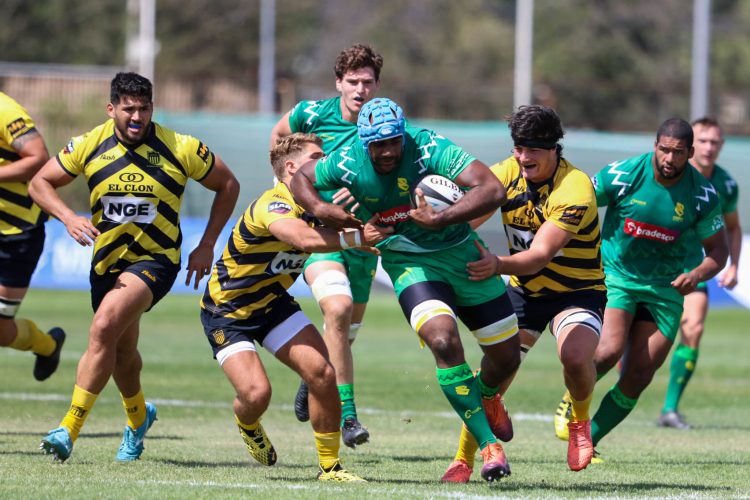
(346, 395)
(615, 406)
(683, 364)
(461, 389)
(487, 391)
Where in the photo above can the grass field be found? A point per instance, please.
(194, 451)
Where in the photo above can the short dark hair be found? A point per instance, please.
(130, 84)
(356, 57)
(536, 126)
(676, 128)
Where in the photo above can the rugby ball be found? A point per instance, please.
(440, 192)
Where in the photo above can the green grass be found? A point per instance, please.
(194, 451)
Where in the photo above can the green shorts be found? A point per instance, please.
(360, 268)
(447, 266)
(663, 302)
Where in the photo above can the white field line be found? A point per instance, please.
(29, 396)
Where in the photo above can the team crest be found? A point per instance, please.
(218, 336)
(679, 209)
(279, 207)
(154, 158)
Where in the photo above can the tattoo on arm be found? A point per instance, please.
(19, 143)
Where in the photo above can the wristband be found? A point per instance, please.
(358, 238)
(342, 240)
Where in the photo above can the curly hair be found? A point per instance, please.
(356, 57)
(290, 146)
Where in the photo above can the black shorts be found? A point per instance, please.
(535, 313)
(158, 277)
(222, 331)
(19, 255)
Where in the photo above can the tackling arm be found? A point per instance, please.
(303, 189)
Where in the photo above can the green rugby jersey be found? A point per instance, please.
(425, 152)
(728, 191)
(649, 228)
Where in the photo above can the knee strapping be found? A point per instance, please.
(583, 318)
(428, 310)
(9, 307)
(497, 332)
(330, 282)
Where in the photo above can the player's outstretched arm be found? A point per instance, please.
(303, 189)
(43, 190)
(299, 234)
(222, 182)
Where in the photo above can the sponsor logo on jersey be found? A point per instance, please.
(131, 177)
(679, 212)
(519, 240)
(403, 184)
(573, 215)
(125, 209)
(203, 151)
(642, 203)
(288, 263)
(69, 148)
(638, 229)
(279, 207)
(717, 223)
(16, 127)
(147, 274)
(394, 215)
(154, 158)
(107, 157)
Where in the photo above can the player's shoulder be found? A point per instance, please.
(10, 106)
(277, 200)
(507, 168)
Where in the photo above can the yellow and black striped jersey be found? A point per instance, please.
(136, 191)
(255, 267)
(18, 212)
(566, 200)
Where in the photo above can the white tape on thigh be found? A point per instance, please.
(428, 310)
(233, 349)
(354, 330)
(330, 282)
(583, 318)
(9, 307)
(497, 332)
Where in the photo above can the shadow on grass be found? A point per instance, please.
(212, 464)
(583, 490)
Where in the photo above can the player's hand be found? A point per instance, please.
(337, 217)
(424, 215)
(728, 280)
(82, 230)
(372, 233)
(685, 283)
(199, 262)
(344, 198)
(488, 264)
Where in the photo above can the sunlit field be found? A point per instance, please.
(194, 450)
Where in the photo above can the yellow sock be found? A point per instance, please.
(567, 397)
(467, 447)
(30, 337)
(580, 409)
(248, 427)
(135, 408)
(328, 444)
(80, 407)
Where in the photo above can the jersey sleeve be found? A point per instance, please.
(503, 171)
(573, 205)
(729, 203)
(710, 219)
(16, 122)
(195, 156)
(326, 178)
(301, 116)
(603, 191)
(72, 158)
(269, 208)
(440, 155)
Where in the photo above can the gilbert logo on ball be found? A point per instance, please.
(440, 192)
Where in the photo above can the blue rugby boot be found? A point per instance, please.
(58, 444)
(132, 440)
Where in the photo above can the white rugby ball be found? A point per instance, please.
(440, 192)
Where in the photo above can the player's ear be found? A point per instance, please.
(110, 110)
(691, 152)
